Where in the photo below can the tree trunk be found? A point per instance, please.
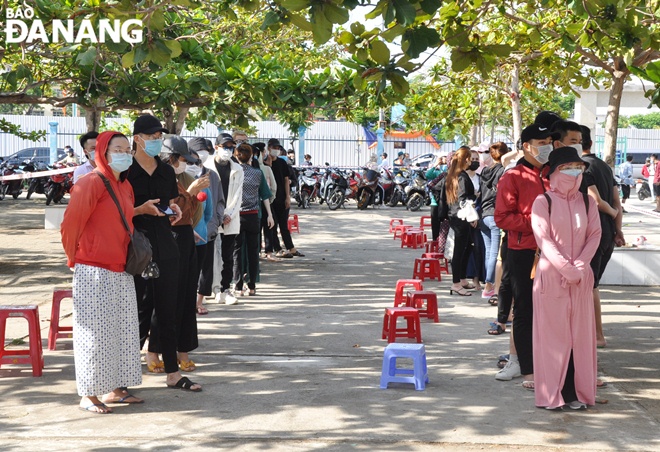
(92, 118)
(515, 103)
(612, 119)
(181, 115)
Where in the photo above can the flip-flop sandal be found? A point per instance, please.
(468, 286)
(496, 330)
(157, 367)
(125, 401)
(601, 384)
(493, 301)
(92, 408)
(187, 366)
(529, 385)
(201, 310)
(185, 384)
(462, 292)
(298, 254)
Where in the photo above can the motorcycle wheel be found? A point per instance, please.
(394, 200)
(364, 200)
(49, 194)
(641, 195)
(335, 200)
(17, 194)
(305, 199)
(415, 202)
(30, 190)
(3, 190)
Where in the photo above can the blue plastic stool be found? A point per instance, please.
(419, 372)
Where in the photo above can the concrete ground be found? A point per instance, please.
(298, 366)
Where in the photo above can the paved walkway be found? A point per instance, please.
(298, 366)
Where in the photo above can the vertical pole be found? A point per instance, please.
(301, 145)
(52, 140)
(380, 134)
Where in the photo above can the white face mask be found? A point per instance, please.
(574, 172)
(193, 170)
(577, 147)
(544, 153)
(225, 154)
(203, 155)
(181, 168)
(275, 152)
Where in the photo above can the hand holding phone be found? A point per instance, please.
(166, 210)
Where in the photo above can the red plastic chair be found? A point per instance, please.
(35, 354)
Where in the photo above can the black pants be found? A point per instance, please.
(504, 295)
(266, 231)
(462, 241)
(227, 251)
(625, 190)
(435, 223)
(477, 269)
(519, 264)
(281, 214)
(186, 307)
(568, 391)
(157, 306)
(205, 258)
(249, 236)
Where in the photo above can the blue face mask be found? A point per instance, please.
(120, 162)
(575, 172)
(283, 157)
(91, 155)
(152, 147)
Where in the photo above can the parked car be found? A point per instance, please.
(39, 154)
(422, 161)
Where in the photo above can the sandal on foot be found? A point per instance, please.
(185, 384)
(125, 400)
(187, 366)
(528, 384)
(96, 408)
(201, 310)
(297, 254)
(468, 286)
(493, 301)
(462, 292)
(496, 330)
(156, 367)
(284, 254)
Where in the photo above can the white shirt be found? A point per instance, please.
(81, 170)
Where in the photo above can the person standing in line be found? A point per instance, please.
(598, 181)
(88, 143)
(431, 174)
(627, 181)
(216, 198)
(230, 174)
(654, 175)
(459, 189)
(490, 176)
(282, 203)
(154, 182)
(476, 269)
(567, 229)
(517, 190)
(106, 338)
(266, 231)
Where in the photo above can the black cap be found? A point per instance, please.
(547, 118)
(261, 147)
(197, 144)
(148, 125)
(177, 145)
(566, 154)
(223, 138)
(537, 132)
(274, 142)
(209, 145)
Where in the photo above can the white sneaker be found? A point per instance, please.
(509, 372)
(227, 297)
(577, 405)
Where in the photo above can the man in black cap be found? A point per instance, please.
(282, 202)
(517, 190)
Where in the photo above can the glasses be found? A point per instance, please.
(229, 148)
(131, 152)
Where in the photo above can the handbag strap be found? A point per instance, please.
(106, 182)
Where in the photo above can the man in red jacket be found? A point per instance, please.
(516, 192)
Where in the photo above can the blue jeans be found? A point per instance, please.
(491, 234)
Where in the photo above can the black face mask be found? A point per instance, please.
(474, 166)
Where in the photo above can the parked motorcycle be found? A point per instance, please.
(10, 187)
(342, 186)
(370, 192)
(308, 188)
(35, 184)
(58, 185)
(642, 189)
(417, 192)
(401, 181)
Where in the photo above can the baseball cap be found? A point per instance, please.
(537, 132)
(148, 125)
(197, 144)
(547, 118)
(177, 145)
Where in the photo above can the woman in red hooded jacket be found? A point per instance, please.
(106, 339)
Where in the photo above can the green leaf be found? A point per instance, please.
(174, 46)
(357, 28)
(574, 29)
(271, 19)
(653, 71)
(567, 43)
(430, 6)
(157, 21)
(501, 50)
(399, 83)
(380, 53)
(300, 22)
(405, 12)
(141, 54)
(335, 14)
(345, 38)
(160, 54)
(460, 60)
(128, 59)
(295, 5)
(392, 33)
(88, 57)
(449, 11)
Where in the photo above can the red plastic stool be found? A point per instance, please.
(413, 327)
(401, 285)
(444, 265)
(427, 268)
(292, 223)
(432, 246)
(395, 222)
(413, 238)
(425, 222)
(416, 298)
(35, 354)
(399, 230)
(55, 331)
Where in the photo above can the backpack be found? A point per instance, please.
(441, 198)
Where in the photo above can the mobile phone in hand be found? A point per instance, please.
(166, 210)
